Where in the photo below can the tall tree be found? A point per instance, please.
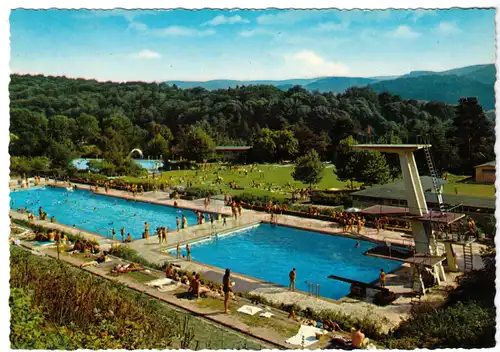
(474, 134)
(197, 145)
(366, 167)
(309, 169)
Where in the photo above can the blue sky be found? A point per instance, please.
(122, 45)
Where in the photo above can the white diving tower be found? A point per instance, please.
(425, 243)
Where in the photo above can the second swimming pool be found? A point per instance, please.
(269, 253)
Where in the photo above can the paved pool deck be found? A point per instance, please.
(397, 281)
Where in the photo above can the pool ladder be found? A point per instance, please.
(312, 289)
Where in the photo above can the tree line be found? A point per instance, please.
(61, 118)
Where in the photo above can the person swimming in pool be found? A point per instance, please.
(357, 244)
(178, 223)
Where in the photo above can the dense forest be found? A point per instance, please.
(61, 118)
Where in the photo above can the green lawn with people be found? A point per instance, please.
(260, 179)
(276, 180)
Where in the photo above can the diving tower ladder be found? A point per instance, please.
(433, 172)
(468, 257)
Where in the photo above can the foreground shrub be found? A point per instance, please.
(460, 326)
(56, 306)
(131, 255)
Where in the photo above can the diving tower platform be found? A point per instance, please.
(417, 212)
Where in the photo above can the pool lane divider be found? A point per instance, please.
(179, 307)
(132, 199)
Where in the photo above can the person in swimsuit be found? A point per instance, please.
(382, 277)
(226, 287)
(292, 275)
(357, 337)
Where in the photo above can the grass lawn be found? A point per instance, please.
(459, 185)
(276, 180)
(284, 328)
(266, 179)
(141, 276)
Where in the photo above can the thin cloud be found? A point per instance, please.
(332, 26)
(290, 17)
(418, 14)
(147, 54)
(180, 31)
(138, 26)
(257, 31)
(221, 19)
(448, 28)
(315, 65)
(404, 32)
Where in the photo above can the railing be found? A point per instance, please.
(312, 289)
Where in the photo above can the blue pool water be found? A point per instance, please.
(269, 253)
(77, 208)
(82, 164)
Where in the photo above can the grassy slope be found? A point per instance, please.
(276, 176)
(279, 177)
(468, 189)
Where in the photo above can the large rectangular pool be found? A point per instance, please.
(99, 213)
(269, 253)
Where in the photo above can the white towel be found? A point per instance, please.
(306, 336)
(249, 310)
(168, 288)
(266, 315)
(159, 282)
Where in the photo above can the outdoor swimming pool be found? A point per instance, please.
(77, 208)
(269, 253)
(82, 164)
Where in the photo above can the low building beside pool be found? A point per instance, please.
(232, 153)
(485, 173)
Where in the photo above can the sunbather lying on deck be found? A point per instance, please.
(127, 268)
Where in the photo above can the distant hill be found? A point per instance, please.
(467, 70)
(445, 88)
(485, 74)
(418, 74)
(338, 84)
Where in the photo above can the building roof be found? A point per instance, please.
(391, 148)
(384, 210)
(384, 191)
(396, 191)
(489, 163)
(436, 216)
(230, 148)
